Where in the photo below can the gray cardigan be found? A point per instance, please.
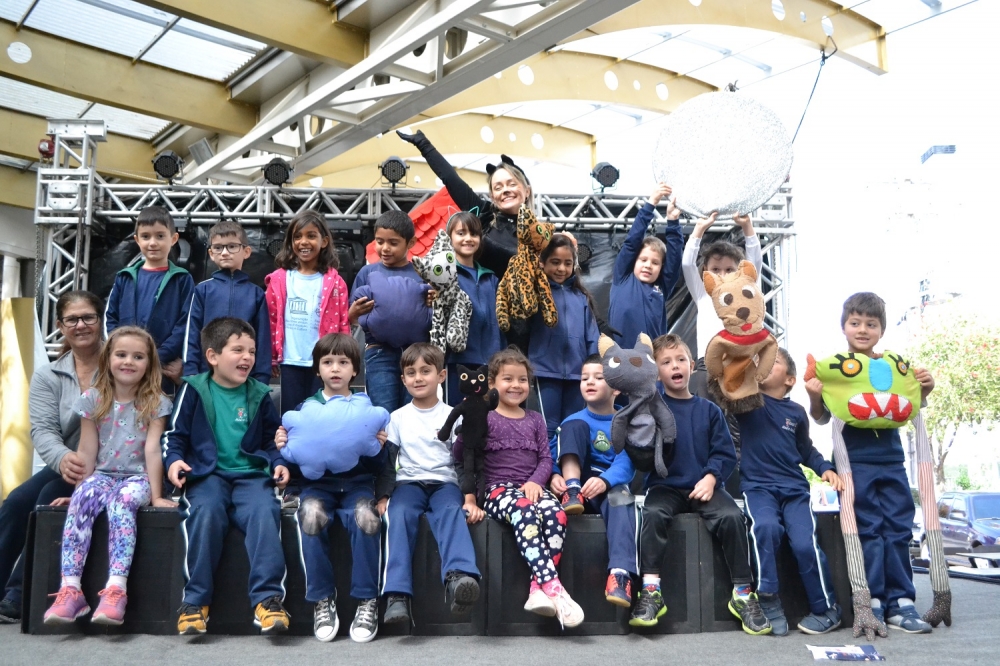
(55, 427)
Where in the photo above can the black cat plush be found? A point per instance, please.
(474, 410)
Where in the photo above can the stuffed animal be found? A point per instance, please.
(645, 428)
(312, 444)
(474, 409)
(524, 287)
(742, 353)
(452, 310)
(880, 393)
(401, 316)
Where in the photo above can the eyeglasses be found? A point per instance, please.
(232, 248)
(72, 322)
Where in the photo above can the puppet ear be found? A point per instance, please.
(747, 269)
(711, 281)
(604, 344)
(810, 372)
(643, 339)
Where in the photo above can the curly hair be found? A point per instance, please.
(510, 356)
(147, 394)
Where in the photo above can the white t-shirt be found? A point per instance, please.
(301, 317)
(422, 456)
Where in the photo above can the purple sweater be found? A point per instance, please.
(517, 450)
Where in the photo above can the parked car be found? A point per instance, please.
(969, 520)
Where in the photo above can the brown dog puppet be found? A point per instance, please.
(742, 353)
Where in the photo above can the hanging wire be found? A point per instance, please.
(822, 61)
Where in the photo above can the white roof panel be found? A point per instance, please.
(180, 50)
(97, 25)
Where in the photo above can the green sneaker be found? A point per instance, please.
(649, 608)
(748, 612)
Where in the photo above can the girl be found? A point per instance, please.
(516, 467)
(307, 299)
(122, 418)
(558, 353)
(485, 338)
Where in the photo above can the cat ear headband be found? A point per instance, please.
(505, 161)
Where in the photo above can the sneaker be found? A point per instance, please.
(192, 619)
(10, 611)
(571, 502)
(111, 610)
(538, 603)
(271, 616)
(618, 590)
(649, 608)
(69, 605)
(822, 623)
(290, 501)
(396, 609)
(366, 516)
(749, 613)
(906, 618)
(312, 516)
(461, 591)
(568, 611)
(326, 624)
(879, 614)
(365, 624)
(770, 605)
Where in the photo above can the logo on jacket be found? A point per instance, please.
(601, 442)
(241, 415)
(789, 425)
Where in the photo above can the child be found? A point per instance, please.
(425, 481)
(336, 361)
(394, 236)
(154, 294)
(228, 293)
(122, 419)
(883, 505)
(306, 299)
(582, 453)
(516, 466)
(645, 273)
(485, 337)
(220, 449)
(558, 353)
(777, 499)
(704, 458)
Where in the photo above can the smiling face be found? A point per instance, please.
(391, 247)
(82, 337)
(228, 252)
(862, 332)
(507, 192)
(129, 361)
(466, 245)
(307, 242)
(511, 383)
(674, 366)
(155, 241)
(648, 265)
(232, 365)
(336, 371)
(422, 380)
(558, 266)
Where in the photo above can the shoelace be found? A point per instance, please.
(113, 595)
(64, 594)
(366, 612)
(322, 611)
(273, 605)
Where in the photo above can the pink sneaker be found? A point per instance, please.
(538, 602)
(69, 605)
(111, 610)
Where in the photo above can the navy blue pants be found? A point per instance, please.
(383, 382)
(365, 550)
(559, 398)
(297, 384)
(242, 499)
(883, 507)
(779, 511)
(442, 502)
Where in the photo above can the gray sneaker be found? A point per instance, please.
(770, 604)
(821, 623)
(396, 609)
(366, 516)
(312, 516)
(365, 624)
(326, 624)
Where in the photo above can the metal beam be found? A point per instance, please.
(120, 157)
(100, 76)
(17, 187)
(306, 27)
(859, 39)
(366, 176)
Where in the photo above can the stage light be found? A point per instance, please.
(605, 174)
(47, 148)
(278, 171)
(168, 165)
(393, 171)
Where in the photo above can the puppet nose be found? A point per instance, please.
(637, 362)
(743, 313)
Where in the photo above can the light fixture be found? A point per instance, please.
(201, 151)
(47, 148)
(393, 171)
(168, 165)
(278, 171)
(605, 174)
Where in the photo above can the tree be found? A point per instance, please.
(963, 355)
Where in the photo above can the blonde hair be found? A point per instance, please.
(147, 395)
(519, 177)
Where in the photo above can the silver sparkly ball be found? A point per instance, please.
(723, 152)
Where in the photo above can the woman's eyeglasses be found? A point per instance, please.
(72, 322)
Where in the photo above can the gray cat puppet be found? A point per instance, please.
(645, 428)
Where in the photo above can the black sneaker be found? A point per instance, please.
(10, 611)
(649, 608)
(396, 609)
(572, 505)
(461, 591)
(365, 624)
(770, 605)
(749, 613)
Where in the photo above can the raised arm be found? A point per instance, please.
(458, 189)
(689, 261)
(675, 249)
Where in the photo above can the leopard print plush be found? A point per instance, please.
(524, 289)
(452, 308)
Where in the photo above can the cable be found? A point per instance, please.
(822, 61)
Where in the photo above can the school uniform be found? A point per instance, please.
(485, 337)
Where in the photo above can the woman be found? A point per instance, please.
(55, 433)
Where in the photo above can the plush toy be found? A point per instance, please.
(644, 428)
(474, 409)
(401, 315)
(880, 393)
(524, 287)
(332, 436)
(742, 353)
(452, 310)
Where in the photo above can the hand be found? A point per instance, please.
(72, 468)
(925, 380)
(571, 237)
(275, 371)
(662, 190)
(173, 370)
(60, 501)
(673, 212)
(360, 307)
(431, 295)
(164, 503)
(744, 223)
(280, 437)
(558, 484)
(532, 491)
(703, 225)
(382, 505)
(835, 481)
(410, 138)
(594, 487)
(814, 387)
(382, 436)
(281, 476)
(704, 489)
(174, 473)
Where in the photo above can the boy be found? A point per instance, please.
(883, 505)
(777, 499)
(154, 293)
(704, 458)
(220, 449)
(337, 360)
(582, 454)
(644, 274)
(421, 478)
(228, 293)
(394, 236)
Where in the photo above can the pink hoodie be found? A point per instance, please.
(332, 307)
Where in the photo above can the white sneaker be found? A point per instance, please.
(539, 603)
(365, 624)
(325, 620)
(569, 612)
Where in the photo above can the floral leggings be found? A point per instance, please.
(539, 528)
(122, 497)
